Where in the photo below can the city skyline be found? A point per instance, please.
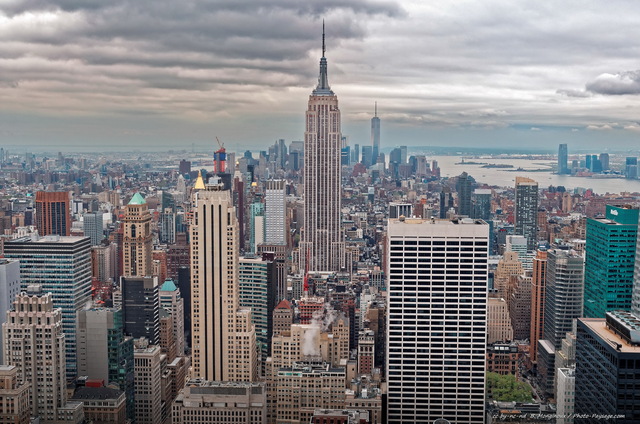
(500, 73)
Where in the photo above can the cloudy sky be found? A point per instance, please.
(157, 74)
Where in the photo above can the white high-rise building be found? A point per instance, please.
(275, 212)
(437, 320)
(223, 337)
(566, 395)
(322, 236)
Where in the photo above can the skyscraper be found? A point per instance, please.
(437, 320)
(34, 343)
(562, 159)
(104, 352)
(275, 212)
(607, 355)
(563, 297)
(322, 237)
(92, 226)
(141, 307)
(53, 213)
(463, 187)
(526, 210)
(137, 238)
(223, 338)
(9, 289)
(609, 261)
(538, 284)
(375, 135)
(62, 267)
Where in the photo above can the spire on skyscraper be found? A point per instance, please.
(323, 88)
(375, 110)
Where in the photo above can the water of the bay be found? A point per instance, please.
(505, 177)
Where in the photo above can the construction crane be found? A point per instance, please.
(219, 158)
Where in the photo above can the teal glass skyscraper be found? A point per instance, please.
(609, 261)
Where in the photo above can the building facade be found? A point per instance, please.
(53, 213)
(223, 337)
(137, 238)
(437, 320)
(62, 267)
(610, 254)
(526, 223)
(322, 239)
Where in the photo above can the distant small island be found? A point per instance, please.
(470, 163)
(497, 165)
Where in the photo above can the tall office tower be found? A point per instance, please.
(62, 267)
(104, 262)
(403, 154)
(463, 186)
(520, 306)
(563, 157)
(9, 289)
(171, 301)
(137, 238)
(275, 212)
(507, 266)
(604, 161)
(538, 283)
(375, 135)
(14, 397)
(367, 152)
(563, 298)
(147, 382)
(607, 355)
(631, 167)
(34, 343)
(437, 320)
(141, 307)
(565, 395)
(217, 402)
(257, 234)
(257, 290)
(526, 210)
(322, 236)
(92, 226)
(481, 203)
(184, 167)
(635, 300)
(446, 202)
(223, 337)
(610, 254)
(104, 352)
(53, 213)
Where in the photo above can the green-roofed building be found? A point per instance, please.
(610, 254)
(137, 199)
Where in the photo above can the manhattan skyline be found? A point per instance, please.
(78, 74)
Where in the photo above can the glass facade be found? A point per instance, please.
(609, 261)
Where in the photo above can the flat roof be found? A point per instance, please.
(599, 327)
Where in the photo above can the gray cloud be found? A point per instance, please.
(616, 84)
(227, 64)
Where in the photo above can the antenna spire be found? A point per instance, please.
(376, 109)
(323, 45)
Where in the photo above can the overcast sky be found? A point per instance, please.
(157, 74)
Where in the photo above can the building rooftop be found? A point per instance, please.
(137, 199)
(599, 326)
(96, 393)
(168, 285)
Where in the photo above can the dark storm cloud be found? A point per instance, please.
(616, 84)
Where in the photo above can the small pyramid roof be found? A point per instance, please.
(168, 285)
(284, 304)
(137, 199)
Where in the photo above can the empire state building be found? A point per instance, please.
(322, 237)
